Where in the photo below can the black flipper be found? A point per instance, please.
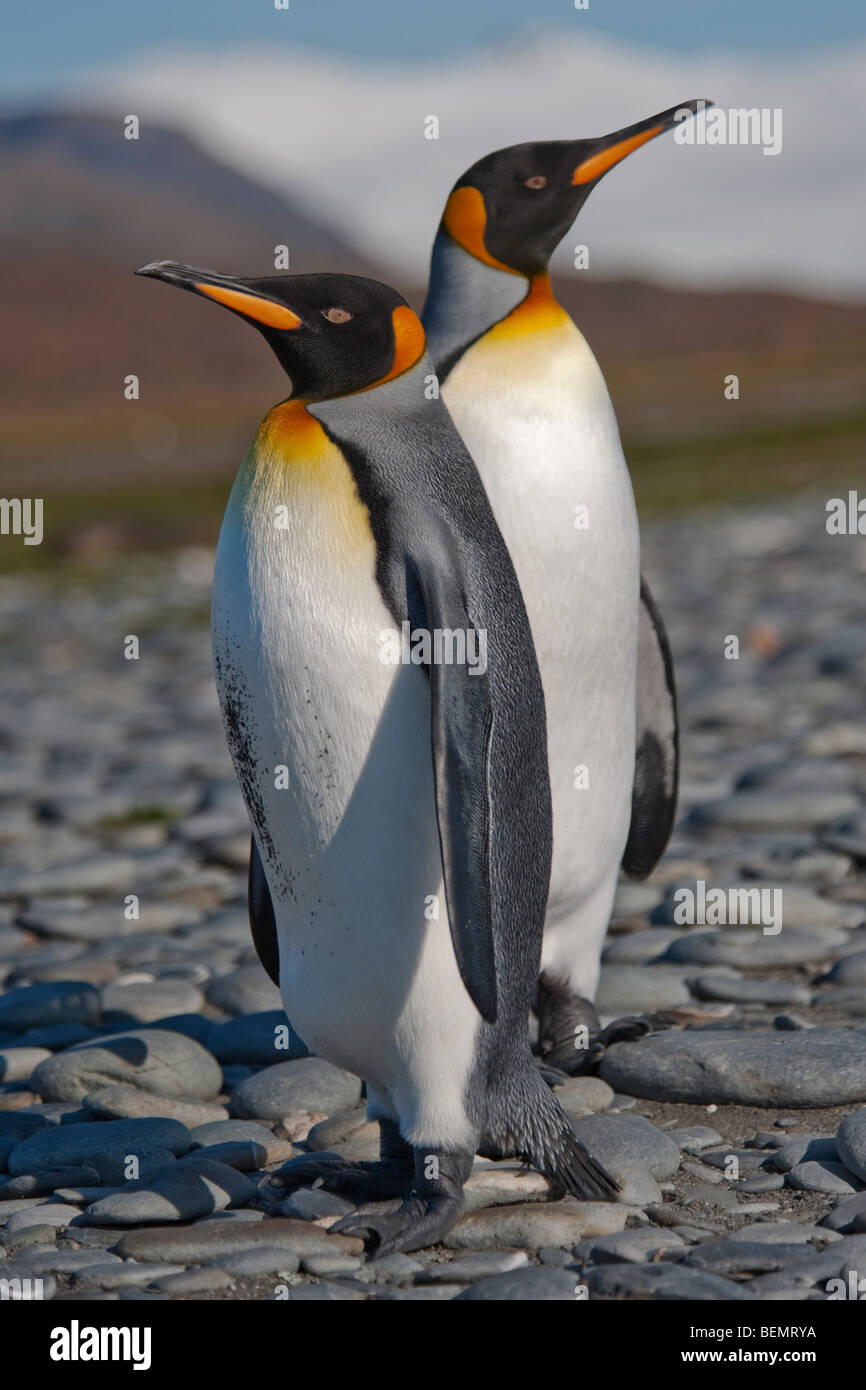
(462, 726)
(656, 773)
(262, 922)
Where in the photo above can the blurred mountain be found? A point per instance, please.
(81, 207)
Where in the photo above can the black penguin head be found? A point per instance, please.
(333, 334)
(512, 208)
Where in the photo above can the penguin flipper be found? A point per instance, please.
(656, 773)
(261, 909)
(462, 725)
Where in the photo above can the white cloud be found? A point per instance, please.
(348, 138)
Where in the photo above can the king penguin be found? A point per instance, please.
(400, 807)
(531, 404)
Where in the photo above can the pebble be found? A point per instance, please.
(850, 970)
(167, 1064)
(193, 1281)
(660, 1281)
(736, 991)
(470, 1267)
(57, 1214)
(259, 1039)
(307, 1084)
(827, 1176)
(141, 1002)
(803, 1148)
(851, 1143)
(749, 948)
(124, 1102)
(18, 1063)
(39, 1006)
(623, 1143)
(245, 991)
(330, 1266)
(72, 1145)
(780, 1232)
(524, 1286)
(633, 1247)
(116, 1276)
(229, 1132)
(194, 1187)
(635, 989)
(763, 810)
(849, 1214)
(213, 1239)
(824, 1066)
(529, 1225)
(692, 1137)
(269, 1259)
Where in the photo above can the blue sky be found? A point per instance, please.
(48, 40)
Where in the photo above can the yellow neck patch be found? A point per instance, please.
(465, 220)
(539, 312)
(409, 344)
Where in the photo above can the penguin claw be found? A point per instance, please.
(388, 1227)
(561, 1014)
(358, 1181)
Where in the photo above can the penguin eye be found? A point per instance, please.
(536, 181)
(337, 315)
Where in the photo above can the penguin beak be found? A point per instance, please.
(232, 294)
(610, 149)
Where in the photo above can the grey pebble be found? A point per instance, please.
(307, 1084)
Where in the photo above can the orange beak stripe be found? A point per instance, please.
(598, 164)
(263, 311)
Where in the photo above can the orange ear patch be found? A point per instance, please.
(597, 164)
(252, 307)
(465, 219)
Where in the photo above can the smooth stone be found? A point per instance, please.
(111, 1169)
(22, 1241)
(420, 1293)
(307, 1084)
(639, 947)
(330, 1292)
(503, 1185)
(213, 1239)
(622, 1143)
(331, 1134)
(268, 1259)
(55, 1036)
(589, 1091)
(780, 1232)
(123, 1102)
(850, 970)
(192, 1188)
(804, 1148)
(469, 1268)
(72, 1145)
(99, 923)
(764, 811)
(65, 1261)
(42, 1184)
(142, 1002)
(531, 1225)
(37, 1006)
(116, 1276)
(46, 1214)
(166, 1064)
(246, 1155)
(747, 1160)
(191, 1025)
(230, 1132)
(694, 1137)
(244, 991)
(635, 989)
(761, 1182)
(733, 991)
(847, 1215)
(314, 1203)
(828, 1177)
(634, 1247)
(749, 948)
(525, 1286)
(851, 1143)
(330, 1266)
(19, 1063)
(95, 873)
(744, 1257)
(824, 1066)
(193, 1281)
(260, 1040)
(660, 1281)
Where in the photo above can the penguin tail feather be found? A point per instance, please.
(544, 1138)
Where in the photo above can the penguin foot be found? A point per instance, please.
(426, 1213)
(360, 1181)
(571, 1037)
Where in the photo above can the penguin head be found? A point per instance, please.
(513, 207)
(333, 334)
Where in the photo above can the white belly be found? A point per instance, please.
(535, 414)
(350, 845)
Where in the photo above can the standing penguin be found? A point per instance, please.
(531, 404)
(400, 808)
